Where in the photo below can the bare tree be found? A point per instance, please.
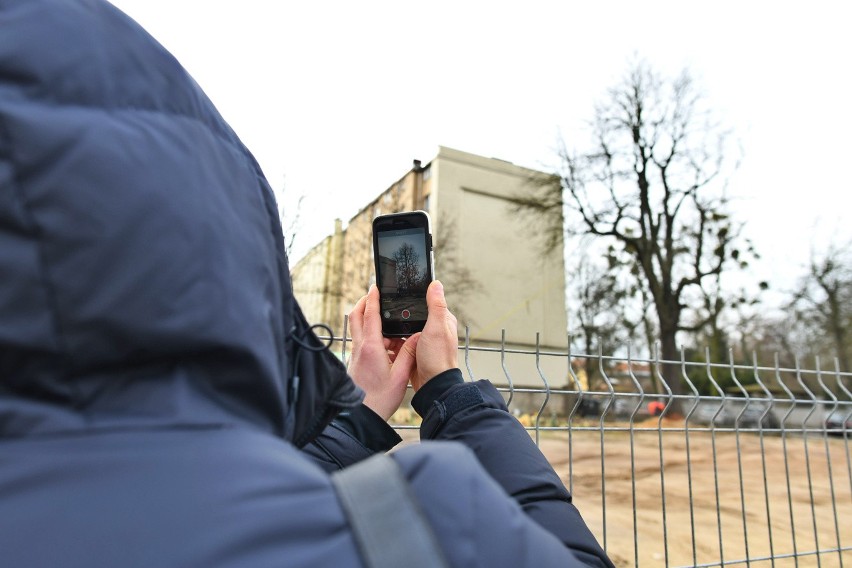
(649, 185)
(409, 275)
(823, 304)
(596, 311)
(725, 314)
(290, 215)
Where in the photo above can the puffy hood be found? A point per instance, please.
(143, 277)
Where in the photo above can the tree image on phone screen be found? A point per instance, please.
(403, 272)
(404, 275)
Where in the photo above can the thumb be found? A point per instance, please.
(435, 300)
(406, 358)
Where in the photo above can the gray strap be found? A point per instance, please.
(389, 527)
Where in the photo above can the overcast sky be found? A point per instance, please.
(335, 99)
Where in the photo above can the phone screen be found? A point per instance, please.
(403, 256)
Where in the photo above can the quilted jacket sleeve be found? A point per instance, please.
(354, 435)
(476, 415)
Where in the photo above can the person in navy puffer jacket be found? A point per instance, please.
(149, 341)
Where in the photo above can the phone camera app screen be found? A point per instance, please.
(403, 274)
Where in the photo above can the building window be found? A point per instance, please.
(427, 173)
(426, 203)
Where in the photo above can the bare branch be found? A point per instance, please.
(647, 184)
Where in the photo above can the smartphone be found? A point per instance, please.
(402, 249)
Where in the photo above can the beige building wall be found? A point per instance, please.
(489, 258)
(308, 276)
(516, 287)
(317, 279)
(405, 194)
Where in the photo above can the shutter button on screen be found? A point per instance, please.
(406, 314)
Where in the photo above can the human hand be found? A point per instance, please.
(438, 343)
(381, 366)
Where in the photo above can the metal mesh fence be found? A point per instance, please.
(737, 464)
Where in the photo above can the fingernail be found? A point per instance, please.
(439, 286)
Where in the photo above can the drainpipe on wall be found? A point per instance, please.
(418, 186)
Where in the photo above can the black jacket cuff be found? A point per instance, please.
(368, 428)
(425, 398)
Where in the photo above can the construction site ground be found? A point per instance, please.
(727, 479)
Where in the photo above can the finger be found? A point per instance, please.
(356, 320)
(372, 315)
(406, 358)
(439, 313)
(435, 300)
(393, 345)
(442, 329)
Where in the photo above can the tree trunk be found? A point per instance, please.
(838, 331)
(671, 371)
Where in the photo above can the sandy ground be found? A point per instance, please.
(816, 485)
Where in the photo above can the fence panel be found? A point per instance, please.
(738, 464)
